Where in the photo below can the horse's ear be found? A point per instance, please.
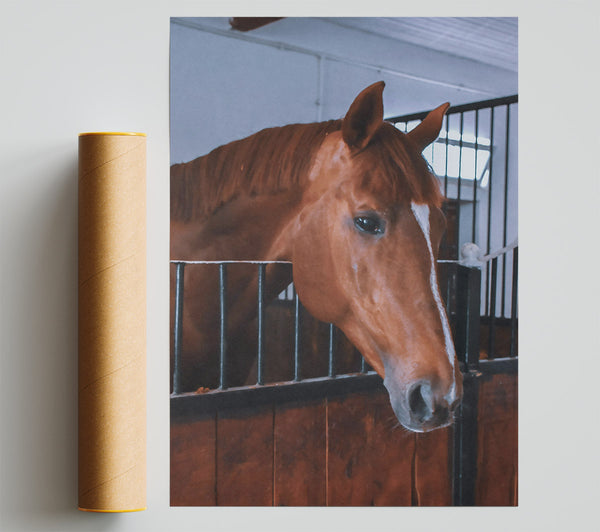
(364, 117)
(428, 130)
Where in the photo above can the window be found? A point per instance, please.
(451, 157)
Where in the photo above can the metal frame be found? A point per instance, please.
(483, 104)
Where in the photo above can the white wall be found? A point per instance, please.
(67, 67)
(227, 85)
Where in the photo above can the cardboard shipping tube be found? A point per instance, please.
(112, 322)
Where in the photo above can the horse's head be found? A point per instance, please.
(364, 250)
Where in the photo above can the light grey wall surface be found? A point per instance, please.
(226, 85)
(68, 67)
(223, 88)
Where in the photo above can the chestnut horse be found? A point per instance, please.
(352, 204)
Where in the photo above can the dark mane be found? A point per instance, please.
(400, 171)
(270, 161)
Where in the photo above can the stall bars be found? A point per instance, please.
(478, 146)
(260, 306)
(465, 318)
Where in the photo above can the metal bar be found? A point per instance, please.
(297, 362)
(465, 443)
(178, 329)
(468, 296)
(489, 217)
(483, 104)
(223, 326)
(473, 237)
(192, 405)
(492, 309)
(454, 142)
(447, 118)
(432, 146)
(363, 364)
(505, 221)
(331, 350)
(451, 273)
(459, 185)
(513, 303)
(445, 242)
(498, 366)
(465, 437)
(261, 324)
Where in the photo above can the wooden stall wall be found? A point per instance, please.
(337, 451)
(497, 460)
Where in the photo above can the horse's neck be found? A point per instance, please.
(246, 228)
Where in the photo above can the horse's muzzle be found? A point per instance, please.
(422, 406)
(428, 411)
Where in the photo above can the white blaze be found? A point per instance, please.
(421, 213)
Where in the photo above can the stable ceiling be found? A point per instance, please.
(490, 40)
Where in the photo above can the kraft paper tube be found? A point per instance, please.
(112, 322)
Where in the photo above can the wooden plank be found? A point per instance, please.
(300, 454)
(433, 470)
(245, 456)
(369, 455)
(502, 338)
(498, 442)
(193, 462)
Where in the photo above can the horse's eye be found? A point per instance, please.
(369, 224)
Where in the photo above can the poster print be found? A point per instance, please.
(326, 342)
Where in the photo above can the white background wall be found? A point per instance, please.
(68, 67)
(226, 85)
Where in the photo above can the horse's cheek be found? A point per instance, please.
(314, 277)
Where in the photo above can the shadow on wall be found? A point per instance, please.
(39, 358)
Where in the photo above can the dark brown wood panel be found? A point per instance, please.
(245, 456)
(251, 23)
(502, 339)
(432, 471)
(497, 459)
(342, 451)
(369, 456)
(300, 454)
(193, 462)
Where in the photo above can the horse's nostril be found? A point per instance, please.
(420, 401)
(425, 409)
(442, 415)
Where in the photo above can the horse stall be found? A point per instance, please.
(310, 422)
